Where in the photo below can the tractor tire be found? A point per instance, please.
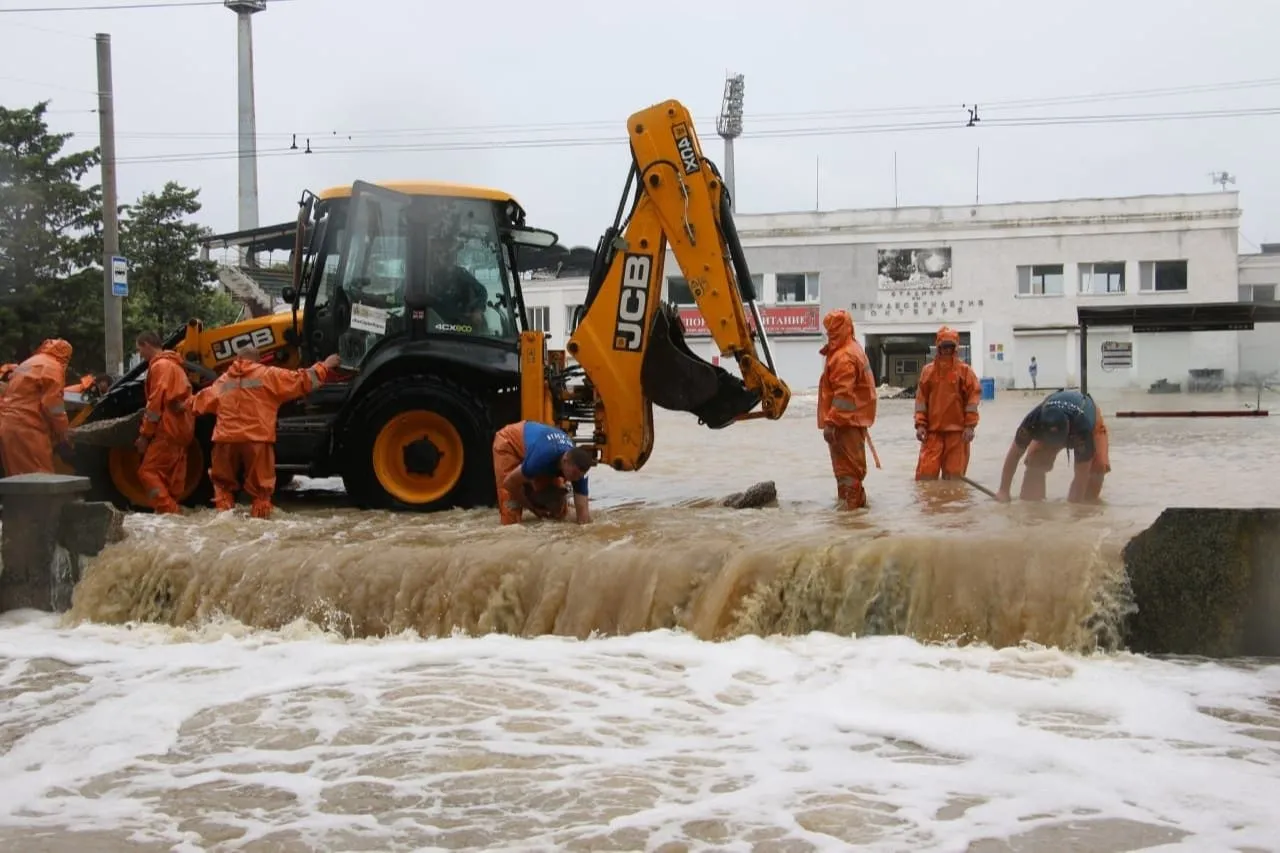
(419, 443)
(113, 472)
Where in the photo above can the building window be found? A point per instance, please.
(1257, 293)
(1162, 276)
(678, 291)
(538, 319)
(1040, 280)
(569, 324)
(1102, 277)
(798, 287)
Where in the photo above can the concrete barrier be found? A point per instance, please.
(1206, 582)
(48, 534)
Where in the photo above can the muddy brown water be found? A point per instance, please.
(232, 684)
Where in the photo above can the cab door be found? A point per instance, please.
(372, 272)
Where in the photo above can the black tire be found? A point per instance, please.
(464, 411)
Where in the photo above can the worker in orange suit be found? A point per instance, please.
(532, 459)
(168, 425)
(846, 407)
(245, 400)
(6, 371)
(33, 418)
(946, 411)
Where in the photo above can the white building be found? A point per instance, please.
(1007, 277)
(1259, 277)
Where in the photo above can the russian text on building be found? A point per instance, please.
(778, 320)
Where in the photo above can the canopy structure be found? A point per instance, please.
(1187, 317)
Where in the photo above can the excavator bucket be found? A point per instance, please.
(676, 379)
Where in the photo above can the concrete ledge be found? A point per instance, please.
(48, 534)
(43, 485)
(1206, 582)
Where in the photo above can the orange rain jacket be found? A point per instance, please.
(847, 390)
(247, 396)
(33, 417)
(946, 405)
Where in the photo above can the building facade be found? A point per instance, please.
(1007, 277)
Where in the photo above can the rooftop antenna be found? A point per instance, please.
(1222, 178)
(729, 126)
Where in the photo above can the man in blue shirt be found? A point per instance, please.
(532, 460)
(1065, 419)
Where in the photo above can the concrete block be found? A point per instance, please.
(1206, 582)
(47, 535)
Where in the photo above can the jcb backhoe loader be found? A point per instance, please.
(416, 287)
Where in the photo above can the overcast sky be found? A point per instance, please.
(425, 76)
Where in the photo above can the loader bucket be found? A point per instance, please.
(676, 379)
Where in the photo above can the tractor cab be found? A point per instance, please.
(408, 262)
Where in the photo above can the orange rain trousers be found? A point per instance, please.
(508, 454)
(257, 459)
(943, 453)
(163, 473)
(1040, 459)
(848, 450)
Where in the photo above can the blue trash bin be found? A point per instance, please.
(988, 388)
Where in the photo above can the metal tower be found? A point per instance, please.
(729, 126)
(245, 9)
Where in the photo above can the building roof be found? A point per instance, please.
(268, 238)
(1187, 317)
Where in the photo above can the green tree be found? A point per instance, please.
(50, 239)
(168, 282)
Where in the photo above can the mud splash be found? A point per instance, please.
(709, 575)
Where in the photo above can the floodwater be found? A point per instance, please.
(935, 673)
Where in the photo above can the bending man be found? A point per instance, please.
(246, 399)
(1065, 419)
(168, 426)
(946, 411)
(846, 407)
(33, 417)
(532, 459)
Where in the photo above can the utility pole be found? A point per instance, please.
(114, 268)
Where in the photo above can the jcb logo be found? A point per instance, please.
(228, 347)
(684, 144)
(633, 302)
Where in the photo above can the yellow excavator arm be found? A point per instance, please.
(629, 345)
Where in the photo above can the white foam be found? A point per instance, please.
(648, 731)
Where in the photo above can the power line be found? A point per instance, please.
(589, 141)
(777, 117)
(170, 4)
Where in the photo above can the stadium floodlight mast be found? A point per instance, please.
(248, 159)
(729, 126)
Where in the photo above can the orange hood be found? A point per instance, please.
(947, 335)
(242, 367)
(839, 326)
(167, 355)
(58, 348)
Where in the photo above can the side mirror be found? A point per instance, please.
(536, 237)
(287, 294)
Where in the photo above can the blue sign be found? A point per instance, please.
(119, 276)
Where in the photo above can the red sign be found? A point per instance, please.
(778, 320)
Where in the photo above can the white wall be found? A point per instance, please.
(1260, 348)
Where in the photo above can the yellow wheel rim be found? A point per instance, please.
(123, 464)
(434, 451)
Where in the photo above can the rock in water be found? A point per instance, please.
(110, 432)
(761, 494)
(1206, 582)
